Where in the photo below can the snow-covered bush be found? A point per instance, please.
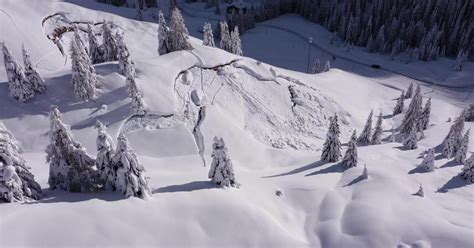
(17, 183)
(208, 39)
(468, 170)
(84, 79)
(350, 157)
(420, 192)
(178, 33)
(364, 137)
(131, 179)
(222, 170)
(32, 75)
(18, 85)
(400, 104)
(162, 34)
(428, 161)
(70, 167)
(105, 152)
(377, 135)
(332, 147)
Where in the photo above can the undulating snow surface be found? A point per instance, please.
(273, 121)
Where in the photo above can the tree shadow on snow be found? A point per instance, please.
(300, 169)
(453, 183)
(451, 163)
(355, 180)
(335, 168)
(187, 187)
(57, 196)
(418, 169)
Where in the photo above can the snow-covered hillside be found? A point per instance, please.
(274, 122)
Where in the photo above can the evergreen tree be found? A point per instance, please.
(137, 104)
(222, 170)
(131, 179)
(365, 173)
(453, 140)
(469, 113)
(332, 147)
(178, 33)
(95, 53)
(424, 120)
(84, 79)
(409, 93)
(17, 183)
(468, 170)
(400, 104)
(31, 74)
(316, 66)
(428, 161)
(208, 36)
(126, 65)
(19, 86)
(364, 137)
(459, 64)
(109, 43)
(461, 153)
(235, 41)
(105, 153)
(350, 157)
(327, 66)
(162, 35)
(411, 140)
(377, 135)
(226, 41)
(70, 167)
(412, 115)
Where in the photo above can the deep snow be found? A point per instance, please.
(250, 105)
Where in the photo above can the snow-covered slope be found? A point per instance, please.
(273, 121)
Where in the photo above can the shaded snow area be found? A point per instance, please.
(274, 122)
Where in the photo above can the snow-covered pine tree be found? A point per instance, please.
(316, 66)
(137, 104)
(236, 42)
(400, 104)
(461, 153)
(327, 66)
(162, 34)
(428, 161)
(84, 79)
(178, 33)
(32, 75)
(16, 181)
(208, 39)
(411, 140)
(377, 135)
(226, 41)
(332, 147)
(409, 93)
(365, 173)
(222, 170)
(19, 86)
(425, 116)
(459, 64)
(365, 135)
(109, 43)
(125, 62)
(453, 140)
(105, 153)
(95, 53)
(131, 179)
(468, 170)
(350, 157)
(412, 115)
(70, 167)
